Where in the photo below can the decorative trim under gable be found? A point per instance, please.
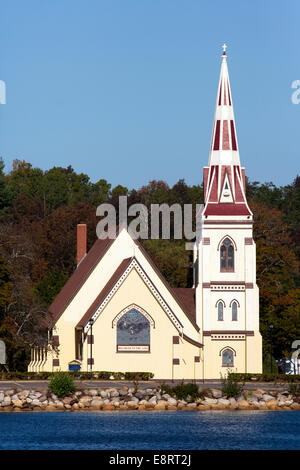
(135, 265)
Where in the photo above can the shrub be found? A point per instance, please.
(231, 386)
(61, 384)
(294, 389)
(182, 391)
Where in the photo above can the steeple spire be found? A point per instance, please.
(224, 179)
(224, 147)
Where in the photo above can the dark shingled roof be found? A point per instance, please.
(76, 280)
(187, 297)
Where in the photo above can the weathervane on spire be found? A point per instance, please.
(224, 48)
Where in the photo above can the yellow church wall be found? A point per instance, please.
(160, 358)
(254, 356)
(247, 357)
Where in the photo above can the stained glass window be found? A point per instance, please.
(133, 328)
(227, 358)
(227, 255)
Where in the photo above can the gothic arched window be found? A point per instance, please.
(133, 332)
(220, 311)
(227, 357)
(227, 255)
(234, 311)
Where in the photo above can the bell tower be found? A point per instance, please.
(227, 296)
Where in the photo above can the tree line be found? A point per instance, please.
(39, 211)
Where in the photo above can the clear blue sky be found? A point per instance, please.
(125, 89)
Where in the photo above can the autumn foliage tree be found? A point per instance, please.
(39, 211)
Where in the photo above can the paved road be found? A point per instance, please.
(43, 384)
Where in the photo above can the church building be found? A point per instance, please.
(118, 313)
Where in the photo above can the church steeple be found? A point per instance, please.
(224, 179)
(224, 147)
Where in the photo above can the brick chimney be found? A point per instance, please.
(81, 242)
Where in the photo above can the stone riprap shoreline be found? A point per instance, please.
(126, 398)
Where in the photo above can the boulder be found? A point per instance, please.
(96, 404)
(223, 401)
(192, 406)
(216, 393)
(172, 408)
(272, 403)
(210, 401)
(16, 402)
(172, 401)
(243, 404)
(6, 401)
(108, 408)
(132, 405)
(92, 392)
(161, 405)
(203, 407)
(266, 397)
(153, 400)
(67, 400)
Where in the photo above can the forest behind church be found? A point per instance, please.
(39, 211)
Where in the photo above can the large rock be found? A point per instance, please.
(108, 408)
(210, 401)
(216, 393)
(92, 392)
(6, 401)
(271, 403)
(172, 401)
(203, 407)
(266, 397)
(153, 400)
(243, 404)
(16, 402)
(67, 400)
(161, 405)
(223, 401)
(96, 404)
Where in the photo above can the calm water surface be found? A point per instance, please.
(150, 430)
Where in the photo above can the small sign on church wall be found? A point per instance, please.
(2, 352)
(134, 348)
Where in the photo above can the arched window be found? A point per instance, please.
(220, 311)
(227, 358)
(227, 255)
(234, 311)
(133, 332)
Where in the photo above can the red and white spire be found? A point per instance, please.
(224, 147)
(224, 179)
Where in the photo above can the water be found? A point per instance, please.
(150, 430)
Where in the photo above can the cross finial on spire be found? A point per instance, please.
(224, 48)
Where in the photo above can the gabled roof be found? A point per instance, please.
(76, 280)
(104, 292)
(183, 297)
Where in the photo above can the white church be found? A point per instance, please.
(118, 313)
